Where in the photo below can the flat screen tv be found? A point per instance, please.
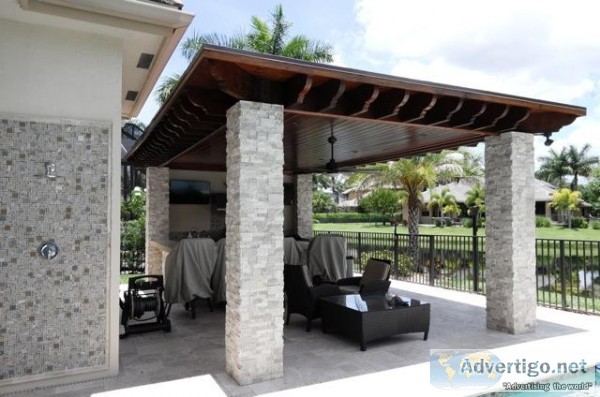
(189, 192)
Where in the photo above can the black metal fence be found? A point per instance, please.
(567, 271)
(132, 261)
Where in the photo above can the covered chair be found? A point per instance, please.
(188, 272)
(218, 278)
(327, 257)
(302, 296)
(374, 279)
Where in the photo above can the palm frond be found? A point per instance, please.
(279, 30)
(167, 87)
(259, 38)
(193, 44)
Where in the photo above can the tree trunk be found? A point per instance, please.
(413, 230)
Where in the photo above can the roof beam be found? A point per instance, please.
(296, 90)
(417, 107)
(388, 104)
(209, 102)
(356, 102)
(322, 98)
(232, 80)
(449, 106)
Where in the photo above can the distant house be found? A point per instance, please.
(543, 192)
(349, 199)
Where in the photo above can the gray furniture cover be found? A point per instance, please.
(218, 277)
(189, 269)
(294, 251)
(327, 257)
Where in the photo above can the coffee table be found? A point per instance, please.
(367, 318)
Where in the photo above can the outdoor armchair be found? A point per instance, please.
(376, 272)
(302, 296)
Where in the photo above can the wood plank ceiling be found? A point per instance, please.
(373, 117)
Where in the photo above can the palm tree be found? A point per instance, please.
(414, 175)
(267, 37)
(440, 200)
(451, 209)
(166, 87)
(580, 163)
(476, 196)
(566, 201)
(554, 167)
(334, 182)
(471, 164)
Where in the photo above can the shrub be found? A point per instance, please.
(404, 262)
(323, 202)
(348, 217)
(596, 225)
(579, 222)
(468, 222)
(542, 221)
(133, 221)
(442, 221)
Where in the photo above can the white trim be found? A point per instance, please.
(107, 11)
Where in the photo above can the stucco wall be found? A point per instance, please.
(59, 102)
(59, 73)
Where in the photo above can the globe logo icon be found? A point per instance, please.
(463, 369)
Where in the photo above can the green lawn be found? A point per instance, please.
(554, 232)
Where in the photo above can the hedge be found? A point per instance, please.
(542, 221)
(348, 217)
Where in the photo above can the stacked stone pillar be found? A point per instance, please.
(157, 215)
(304, 208)
(254, 245)
(510, 233)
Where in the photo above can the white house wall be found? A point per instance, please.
(59, 102)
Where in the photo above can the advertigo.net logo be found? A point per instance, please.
(480, 369)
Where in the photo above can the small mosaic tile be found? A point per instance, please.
(48, 320)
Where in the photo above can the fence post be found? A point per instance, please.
(563, 275)
(395, 253)
(431, 260)
(359, 251)
(475, 264)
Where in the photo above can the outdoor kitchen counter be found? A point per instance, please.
(165, 247)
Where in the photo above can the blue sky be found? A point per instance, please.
(544, 49)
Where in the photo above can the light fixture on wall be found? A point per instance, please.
(49, 171)
(548, 141)
(48, 250)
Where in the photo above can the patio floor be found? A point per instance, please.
(330, 363)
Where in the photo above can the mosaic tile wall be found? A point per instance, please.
(53, 312)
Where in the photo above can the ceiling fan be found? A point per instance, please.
(332, 167)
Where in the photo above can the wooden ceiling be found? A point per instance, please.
(373, 117)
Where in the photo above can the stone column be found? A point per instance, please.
(254, 245)
(304, 208)
(510, 233)
(157, 215)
